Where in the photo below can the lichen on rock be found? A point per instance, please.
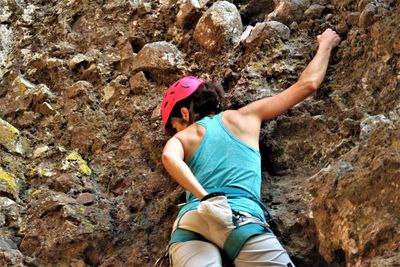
(9, 137)
(9, 185)
(75, 157)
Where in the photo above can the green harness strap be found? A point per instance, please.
(233, 243)
(183, 235)
(238, 237)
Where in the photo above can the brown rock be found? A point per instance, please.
(55, 225)
(314, 11)
(142, 7)
(65, 182)
(158, 58)
(220, 27)
(46, 109)
(86, 198)
(266, 30)
(277, 28)
(41, 93)
(133, 199)
(11, 257)
(352, 18)
(126, 51)
(156, 114)
(27, 118)
(138, 83)
(82, 138)
(287, 11)
(79, 61)
(80, 87)
(10, 213)
(246, 33)
(367, 16)
(188, 10)
(368, 124)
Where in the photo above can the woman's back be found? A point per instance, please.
(222, 160)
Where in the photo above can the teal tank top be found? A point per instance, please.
(222, 160)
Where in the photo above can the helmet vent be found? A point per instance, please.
(185, 85)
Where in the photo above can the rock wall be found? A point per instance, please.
(81, 183)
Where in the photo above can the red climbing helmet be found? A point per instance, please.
(181, 89)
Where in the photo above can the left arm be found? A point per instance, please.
(172, 158)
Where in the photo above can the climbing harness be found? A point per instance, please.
(245, 224)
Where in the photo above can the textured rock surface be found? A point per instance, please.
(81, 183)
(220, 27)
(354, 207)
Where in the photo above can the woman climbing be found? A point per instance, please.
(215, 156)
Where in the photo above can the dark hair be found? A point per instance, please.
(206, 100)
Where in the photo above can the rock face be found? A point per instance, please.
(81, 181)
(353, 206)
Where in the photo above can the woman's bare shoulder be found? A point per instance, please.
(237, 118)
(191, 138)
(240, 124)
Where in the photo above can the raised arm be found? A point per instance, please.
(172, 158)
(309, 81)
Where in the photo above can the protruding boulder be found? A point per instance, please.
(156, 114)
(158, 58)
(254, 36)
(314, 11)
(352, 18)
(220, 27)
(287, 11)
(86, 199)
(9, 213)
(367, 16)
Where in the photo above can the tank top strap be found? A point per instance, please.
(207, 121)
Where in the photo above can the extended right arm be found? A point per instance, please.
(309, 81)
